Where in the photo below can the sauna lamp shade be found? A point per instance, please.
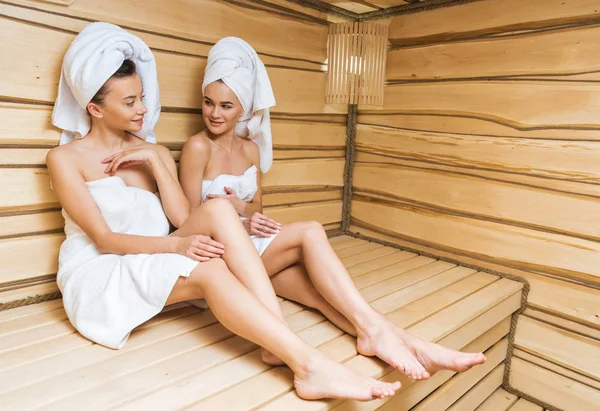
(357, 54)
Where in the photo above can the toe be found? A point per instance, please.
(376, 392)
(407, 370)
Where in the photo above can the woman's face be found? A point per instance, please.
(122, 107)
(220, 108)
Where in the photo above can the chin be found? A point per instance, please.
(135, 128)
(216, 130)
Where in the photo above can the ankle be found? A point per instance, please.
(306, 364)
(370, 323)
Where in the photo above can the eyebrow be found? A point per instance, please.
(129, 97)
(222, 102)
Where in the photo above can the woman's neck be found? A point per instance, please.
(111, 138)
(226, 140)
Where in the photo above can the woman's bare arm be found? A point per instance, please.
(174, 201)
(254, 206)
(73, 194)
(192, 164)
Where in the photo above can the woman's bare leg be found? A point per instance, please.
(293, 283)
(218, 219)
(377, 336)
(315, 375)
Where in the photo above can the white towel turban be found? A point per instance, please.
(236, 63)
(93, 57)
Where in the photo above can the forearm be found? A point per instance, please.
(175, 204)
(122, 244)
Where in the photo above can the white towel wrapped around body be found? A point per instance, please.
(236, 63)
(93, 57)
(107, 295)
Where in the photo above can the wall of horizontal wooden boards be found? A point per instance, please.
(306, 180)
(487, 150)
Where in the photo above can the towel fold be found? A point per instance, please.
(236, 63)
(93, 57)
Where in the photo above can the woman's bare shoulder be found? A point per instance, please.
(252, 151)
(198, 143)
(67, 152)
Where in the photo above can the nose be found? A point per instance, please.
(215, 113)
(142, 108)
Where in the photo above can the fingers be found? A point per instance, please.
(131, 163)
(114, 166)
(260, 234)
(266, 221)
(200, 253)
(109, 158)
(211, 196)
(115, 162)
(209, 241)
(265, 224)
(196, 257)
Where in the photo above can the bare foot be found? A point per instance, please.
(435, 357)
(381, 340)
(325, 378)
(270, 358)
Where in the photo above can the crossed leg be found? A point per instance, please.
(306, 269)
(238, 307)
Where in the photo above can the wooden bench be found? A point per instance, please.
(183, 358)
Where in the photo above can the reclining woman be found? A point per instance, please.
(225, 161)
(118, 266)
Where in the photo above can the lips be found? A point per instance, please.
(140, 121)
(216, 123)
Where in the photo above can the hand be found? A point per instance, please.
(238, 204)
(128, 158)
(199, 247)
(261, 226)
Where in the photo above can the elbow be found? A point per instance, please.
(182, 216)
(104, 243)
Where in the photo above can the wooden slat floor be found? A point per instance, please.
(500, 400)
(184, 359)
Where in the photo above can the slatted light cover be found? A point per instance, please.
(357, 54)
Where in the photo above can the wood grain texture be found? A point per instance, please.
(553, 388)
(522, 105)
(155, 40)
(556, 296)
(29, 188)
(180, 75)
(464, 124)
(513, 246)
(569, 350)
(490, 18)
(291, 41)
(25, 125)
(488, 106)
(204, 21)
(203, 355)
(559, 54)
(480, 198)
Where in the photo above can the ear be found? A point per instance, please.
(94, 110)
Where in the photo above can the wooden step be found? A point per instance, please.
(183, 358)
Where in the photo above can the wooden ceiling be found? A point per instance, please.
(366, 6)
(375, 9)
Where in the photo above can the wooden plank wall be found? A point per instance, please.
(488, 150)
(309, 136)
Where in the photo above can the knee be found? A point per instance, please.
(218, 206)
(312, 229)
(208, 272)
